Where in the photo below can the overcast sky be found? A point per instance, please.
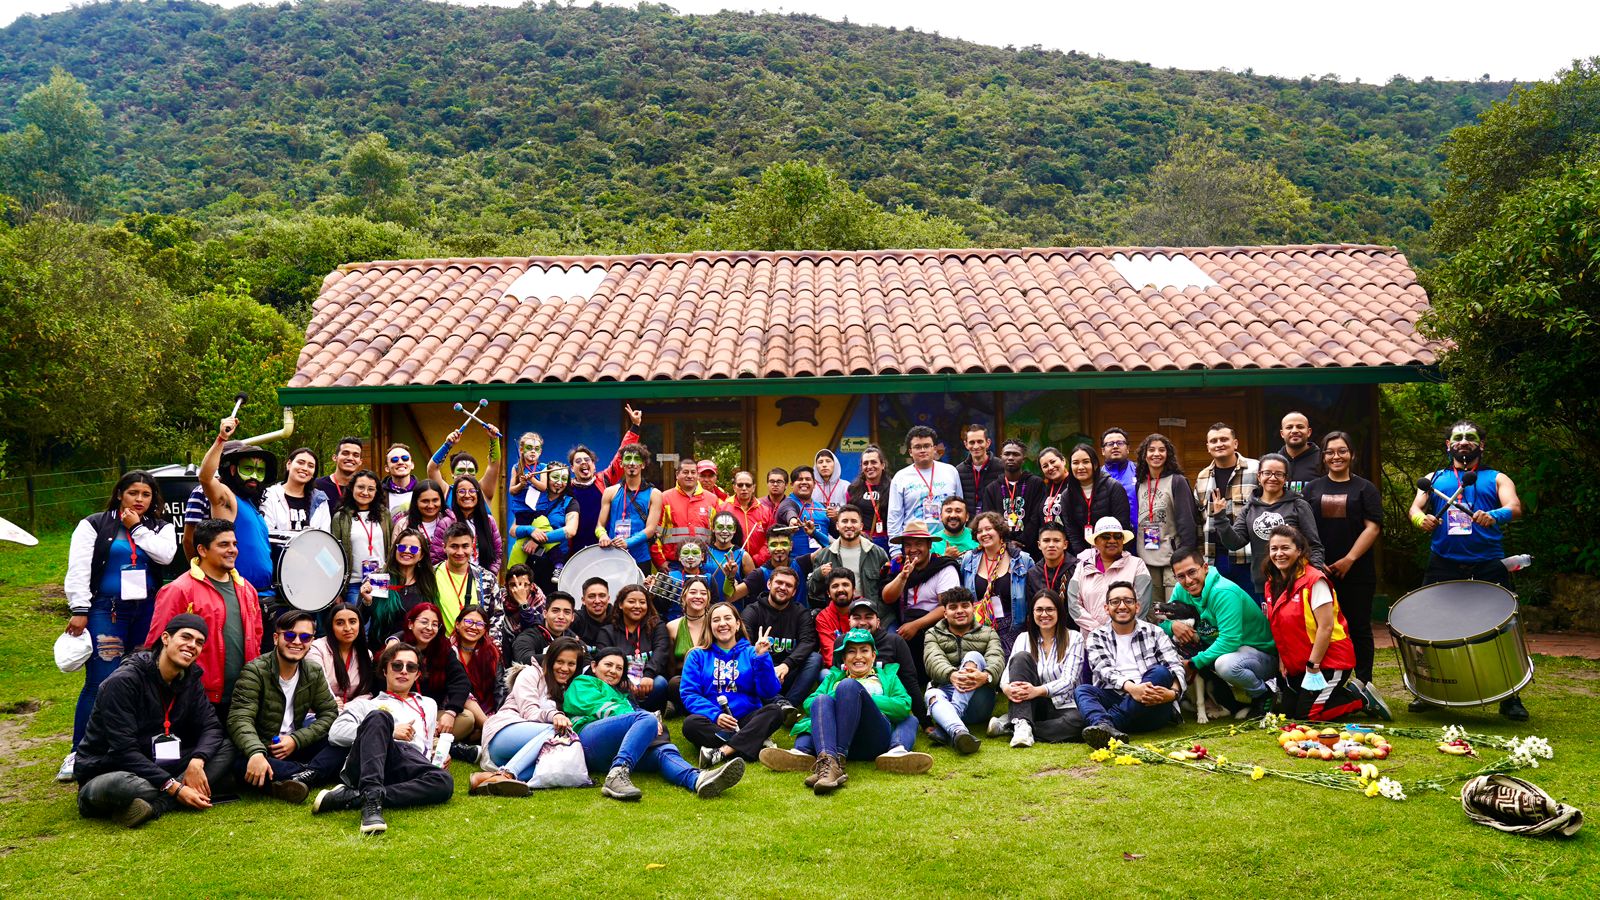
(1527, 40)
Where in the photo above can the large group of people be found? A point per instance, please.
(825, 622)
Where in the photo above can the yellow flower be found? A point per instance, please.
(1113, 744)
(1222, 760)
(1101, 755)
(1127, 761)
(1257, 773)
(1372, 789)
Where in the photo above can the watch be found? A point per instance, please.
(1313, 666)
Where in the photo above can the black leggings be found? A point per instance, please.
(754, 729)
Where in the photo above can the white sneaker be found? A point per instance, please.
(703, 761)
(64, 774)
(997, 726)
(1021, 734)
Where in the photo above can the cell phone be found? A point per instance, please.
(219, 799)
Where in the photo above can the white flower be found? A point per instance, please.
(1454, 733)
(1526, 752)
(1391, 789)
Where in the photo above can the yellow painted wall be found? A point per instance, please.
(438, 420)
(795, 443)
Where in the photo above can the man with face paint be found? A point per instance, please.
(1468, 531)
(918, 491)
(587, 485)
(686, 511)
(792, 632)
(630, 512)
(234, 476)
(870, 494)
(779, 547)
(1014, 495)
(726, 561)
(398, 480)
(754, 517)
(980, 470)
(850, 552)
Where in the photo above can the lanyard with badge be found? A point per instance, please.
(1152, 528)
(625, 521)
(135, 583)
(1088, 514)
(930, 506)
(411, 702)
(1458, 520)
(165, 746)
(994, 606)
(1013, 515)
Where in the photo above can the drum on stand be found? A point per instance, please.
(309, 570)
(1460, 643)
(615, 566)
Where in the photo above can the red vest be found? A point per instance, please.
(1294, 627)
(685, 517)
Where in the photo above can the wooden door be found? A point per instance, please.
(1183, 416)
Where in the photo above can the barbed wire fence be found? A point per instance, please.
(54, 501)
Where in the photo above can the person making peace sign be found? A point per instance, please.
(731, 691)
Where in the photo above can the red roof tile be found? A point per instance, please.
(764, 315)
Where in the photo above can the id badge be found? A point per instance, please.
(134, 584)
(167, 748)
(368, 566)
(1152, 537)
(635, 667)
(625, 528)
(930, 510)
(1088, 535)
(1013, 521)
(995, 608)
(1460, 522)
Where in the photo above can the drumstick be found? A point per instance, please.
(1425, 485)
(238, 402)
(471, 417)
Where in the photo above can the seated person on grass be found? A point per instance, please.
(964, 660)
(1137, 673)
(390, 735)
(1044, 669)
(731, 692)
(281, 712)
(892, 648)
(1242, 654)
(530, 716)
(859, 712)
(560, 610)
(617, 738)
(152, 743)
(637, 629)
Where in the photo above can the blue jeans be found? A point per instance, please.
(322, 759)
(804, 676)
(1247, 668)
(656, 700)
(1101, 706)
(116, 627)
(953, 710)
(849, 725)
(515, 748)
(629, 740)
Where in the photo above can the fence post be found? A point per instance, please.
(33, 513)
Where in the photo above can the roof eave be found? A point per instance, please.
(855, 384)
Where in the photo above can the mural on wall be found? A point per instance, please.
(1043, 419)
(946, 414)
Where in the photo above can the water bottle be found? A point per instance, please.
(1517, 563)
(441, 755)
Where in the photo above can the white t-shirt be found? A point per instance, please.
(366, 539)
(1321, 594)
(288, 702)
(1127, 664)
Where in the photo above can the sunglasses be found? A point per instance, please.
(400, 665)
(298, 637)
(400, 458)
(1464, 437)
(407, 550)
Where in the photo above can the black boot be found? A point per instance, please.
(372, 813)
(1512, 708)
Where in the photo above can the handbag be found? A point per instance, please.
(560, 764)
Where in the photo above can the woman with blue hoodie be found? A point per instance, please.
(732, 692)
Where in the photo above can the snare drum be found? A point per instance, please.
(615, 566)
(309, 571)
(1460, 643)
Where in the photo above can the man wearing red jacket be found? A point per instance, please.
(686, 512)
(212, 590)
(833, 621)
(755, 517)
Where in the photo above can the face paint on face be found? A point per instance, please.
(632, 461)
(690, 556)
(531, 448)
(778, 549)
(558, 477)
(723, 529)
(466, 468)
(252, 471)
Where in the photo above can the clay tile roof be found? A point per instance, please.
(752, 315)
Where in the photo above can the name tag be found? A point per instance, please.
(167, 748)
(1460, 522)
(134, 584)
(1152, 537)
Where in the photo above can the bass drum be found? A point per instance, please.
(615, 566)
(1460, 643)
(309, 571)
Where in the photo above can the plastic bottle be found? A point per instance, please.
(441, 755)
(1517, 563)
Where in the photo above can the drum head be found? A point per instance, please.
(615, 566)
(311, 571)
(1452, 610)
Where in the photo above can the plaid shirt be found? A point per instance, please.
(1239, 489)
(1150, 646)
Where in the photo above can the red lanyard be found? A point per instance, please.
(1052, 498)
(634, 636)
(368, 525)
(1088, 503)
(133, 549)
(460, 589)
(166, 718)
(1150, 488)
(977, 479)
(411, 702)
(827, 495)
(1052, 582)
(1010, 487)
(876, 491)
(933, 475)
(627, 502)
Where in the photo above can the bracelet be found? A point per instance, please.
(1418, 517)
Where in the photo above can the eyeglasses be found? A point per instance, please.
(466, 492)
(1273, 476)
(298, 637)
(1122, 601)
(1113, 443)
(400, 665)
(473, 624)
(1461, 437)
(400, 458)
(407, 550)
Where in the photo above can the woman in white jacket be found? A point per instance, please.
(113, 570)
(293, 504)
(1046, 664)
(530, 716)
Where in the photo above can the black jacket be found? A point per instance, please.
(587, 629)
(794, 629)
(132, 710)
(1110, 499)
(655, 646)
(973, 488)
(1022, 500)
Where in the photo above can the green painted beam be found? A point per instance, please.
(857, 384)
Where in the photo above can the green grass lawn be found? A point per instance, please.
(1040, 822)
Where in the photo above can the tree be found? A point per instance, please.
(231, 344)
(52, 155)
(1537, 132)
(376, 180)
(1203, 195)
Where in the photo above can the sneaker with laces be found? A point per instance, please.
(831, 776)
(372, 813)
(336, 799)
(289, 790)
(780, 760)
(997, 726)
(1022, 733)
(714, 782)
(901, 761)
(64, 774)
(619, 786)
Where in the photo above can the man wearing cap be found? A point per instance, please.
(755, 517)
(686, 511)
(228, 605)
(153, 743)
(234, 476)
(281, 752)
(963, 660)
(852, 552)
(707, 470)
(1099, 567)
(915, 591)
(1136, 672)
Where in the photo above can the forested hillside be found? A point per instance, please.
(550, 127)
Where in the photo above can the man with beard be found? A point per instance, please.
(980, 470)
(956, 538)
(234, 475)
(1468, 530)
(870, 494)
(281, 713)
(1014, 495)
(754, 517)
(398, 481)
(686, 511)
(865, 561)
(1305, 457)
(792, 632)
(916, 589)
(808, 518)
(1114, 449)
(630, 511)
(587, 486)
(779, 547)
(589, 622)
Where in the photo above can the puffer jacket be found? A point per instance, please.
(942, 651)
(256, 713)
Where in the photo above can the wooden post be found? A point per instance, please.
(33, 512)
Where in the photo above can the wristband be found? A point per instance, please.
(1418, 518)
(1501, 516)
(441, 453)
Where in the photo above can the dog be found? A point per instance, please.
(1205, 633)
